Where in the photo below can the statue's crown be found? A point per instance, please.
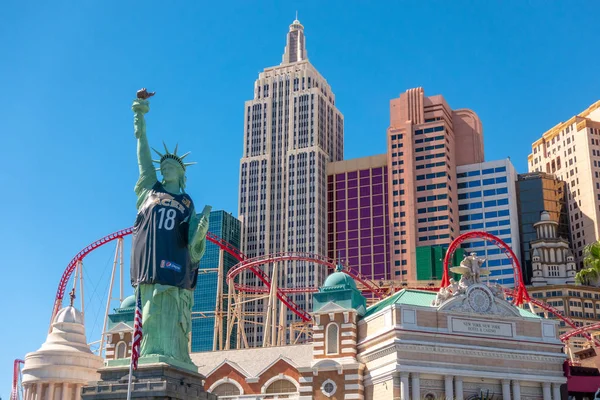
(172, 156)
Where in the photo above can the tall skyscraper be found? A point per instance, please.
(427, 140)
(571, 151)
(292, 129)
(487, 201)
(538, 192)
(358, 223)
(226, 227)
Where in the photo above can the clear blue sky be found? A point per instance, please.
(69, 71)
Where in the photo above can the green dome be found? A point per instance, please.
(128, 302)
(339, 280)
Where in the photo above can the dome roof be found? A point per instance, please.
(128, 302)
(70, 315)
(545, 216)
(338, 279)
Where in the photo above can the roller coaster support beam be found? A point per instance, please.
(110, 291)
(218, 334)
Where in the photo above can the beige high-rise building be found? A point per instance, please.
(292, 130)
(571, 151)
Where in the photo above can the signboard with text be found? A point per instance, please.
(481, 328)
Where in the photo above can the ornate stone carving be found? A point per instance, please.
(479, 299)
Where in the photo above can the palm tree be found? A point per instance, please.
(591, 261)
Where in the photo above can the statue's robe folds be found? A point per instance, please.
(167, 321)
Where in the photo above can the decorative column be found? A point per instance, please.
(556, 391)
(458, 387)
(66, 391)
(448, 387)
(516, 390)
(26, 392)
(416, 386)
(404, 394)
(78, 391)
(505, 389)
(38, 391)
(51, 391)
(546, 391)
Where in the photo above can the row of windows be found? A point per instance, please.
(487, 192)
(433, 219)
(488, 224)
(477, 172)
(427, 148)
(478, 204)
(482, 243)
(431, 175)
(433, 228)
(432, 209)
(429, 156)
(429, 139)
(431, 165)
(429, 130)
(477, 183)
(432, 198)
(433, 237)
(431, 187)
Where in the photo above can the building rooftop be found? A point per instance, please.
(421, 298)
(253, 361)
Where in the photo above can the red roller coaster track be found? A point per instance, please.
(14, 395)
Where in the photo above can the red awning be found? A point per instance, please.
(587, 384)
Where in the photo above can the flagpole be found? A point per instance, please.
(133, 344)
(129, 383)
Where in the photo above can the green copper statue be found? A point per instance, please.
(169, 239)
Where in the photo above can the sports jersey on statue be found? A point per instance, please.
(160, 240)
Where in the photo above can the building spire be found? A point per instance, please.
(295, 49)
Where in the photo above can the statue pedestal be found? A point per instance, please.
(150, 381)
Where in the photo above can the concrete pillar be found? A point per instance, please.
(556, 391)
(78, 391)
(416, 386)
(546, 391)
(449, 395)
(51, 391)
(505, 389)
(26, 393)
(458, 387)
(66, 392)
(404, 393)
(38, 391)
(516, 390)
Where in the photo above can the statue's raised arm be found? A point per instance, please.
(147, 178)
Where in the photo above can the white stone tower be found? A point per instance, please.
(553, 262)
(63, 364)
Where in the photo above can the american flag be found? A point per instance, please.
(137, 330)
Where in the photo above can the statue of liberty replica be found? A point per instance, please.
(169, 239)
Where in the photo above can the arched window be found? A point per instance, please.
(121, 350)
(226, 389)
(332, 344)
(281, 386)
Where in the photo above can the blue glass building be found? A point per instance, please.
(227, 227)
(487, 201)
